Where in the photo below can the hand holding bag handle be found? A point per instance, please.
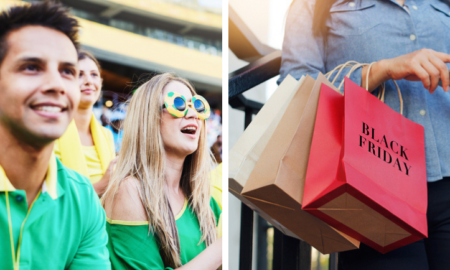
(356, 65)
(383, 89)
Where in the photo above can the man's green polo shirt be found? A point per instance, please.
(65, 228)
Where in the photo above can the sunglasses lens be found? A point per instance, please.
(179, 104)
(199, 106)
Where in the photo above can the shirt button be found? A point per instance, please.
(412, 37)
(19, 198)
(422, 112)
(352, 4)
(414, 7)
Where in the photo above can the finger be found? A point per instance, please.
(443, 56)
(443, 70)
(423, 75)
(433, 74)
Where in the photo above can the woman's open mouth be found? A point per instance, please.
(189, 130)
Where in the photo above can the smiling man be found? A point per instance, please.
(50, 216)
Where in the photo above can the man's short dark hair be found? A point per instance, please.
(48, 14)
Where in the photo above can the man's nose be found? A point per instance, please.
(53, 81)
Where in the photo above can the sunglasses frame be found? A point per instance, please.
(169, 105)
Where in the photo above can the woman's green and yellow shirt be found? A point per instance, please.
(131, 246)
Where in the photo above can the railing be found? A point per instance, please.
(288, 253)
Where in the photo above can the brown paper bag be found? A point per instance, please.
(278, 178)
(245, 153)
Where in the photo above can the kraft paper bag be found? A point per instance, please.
(245, 153)
(366, 172)
(277, 181)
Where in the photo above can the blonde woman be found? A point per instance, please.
(158, 203)
(87, 147)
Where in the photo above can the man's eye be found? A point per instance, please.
(94, 75)
(31, 68)
(68, 71)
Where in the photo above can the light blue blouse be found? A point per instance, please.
(368, 31)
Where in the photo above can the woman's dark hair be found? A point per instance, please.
(48, 14)
(321, 14)
(85, 54)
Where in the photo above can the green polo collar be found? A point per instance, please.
(50, 183)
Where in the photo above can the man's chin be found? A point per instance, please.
(50, 135)
(44, 135)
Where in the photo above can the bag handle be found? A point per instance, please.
(358, 65)
(355, 65)
(383, 89)
(340, 68)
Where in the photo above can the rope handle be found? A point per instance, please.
(350, 73)
(340, 68)
(381, 94)
(355, 65)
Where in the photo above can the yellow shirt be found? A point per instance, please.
(216, 184)
(93, 163)
(70, 151)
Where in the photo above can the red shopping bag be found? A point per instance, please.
(366, 172)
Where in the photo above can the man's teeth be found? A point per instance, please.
(51, 109)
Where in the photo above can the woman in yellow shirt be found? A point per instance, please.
(87, 147)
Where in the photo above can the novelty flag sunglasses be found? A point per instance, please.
(177, 105)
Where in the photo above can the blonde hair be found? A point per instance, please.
(142, 156)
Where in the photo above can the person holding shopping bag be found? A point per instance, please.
(406, 41)
(87, 147)
(158, 203)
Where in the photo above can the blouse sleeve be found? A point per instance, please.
(133, 247)
(303, 52)
(216, 209)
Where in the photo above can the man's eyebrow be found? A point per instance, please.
(37, 60)
(69, 64)
(32, 60)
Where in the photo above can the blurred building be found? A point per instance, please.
(134, 39)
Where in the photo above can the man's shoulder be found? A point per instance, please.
(67, 173)
(73, 182)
